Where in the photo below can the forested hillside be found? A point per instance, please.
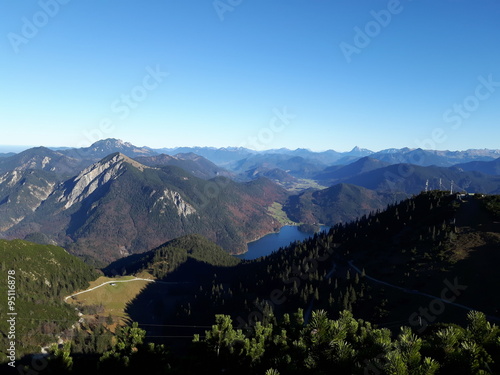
(102, 209)
(165, 259)
(118, 207)
(337, 204)
(420, 264)
(43, 275)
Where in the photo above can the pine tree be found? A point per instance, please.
(61, 361)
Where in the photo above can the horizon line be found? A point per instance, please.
(21, 148)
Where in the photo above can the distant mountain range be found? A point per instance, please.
(227, 155)
(114, 199)
(412, 179)
(335, 173)
(103, 148)
(488, 167)
(195, 164)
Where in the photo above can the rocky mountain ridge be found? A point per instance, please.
(117, 207)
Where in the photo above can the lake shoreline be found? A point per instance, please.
(273, 241)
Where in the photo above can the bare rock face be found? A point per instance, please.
(91, 178)
(21, 193)
(183, 208)
(40, 194)
(11, 178)
(117, 206)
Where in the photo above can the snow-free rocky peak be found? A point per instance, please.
(95, 176)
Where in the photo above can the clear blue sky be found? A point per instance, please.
(75, 71)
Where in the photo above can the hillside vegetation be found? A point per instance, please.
(165, 259)
(118, 207)
(109, 300)
(416, 247)
(397, 291)
(102, 204)
(44, 275)
(337, 204)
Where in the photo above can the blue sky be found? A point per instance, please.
(318, 74)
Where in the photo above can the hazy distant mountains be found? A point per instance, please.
(412, 179)
(296, 166)
(335, 173)
(228, 156)
(487, 167)
(113, 198)
(103, 148)
(431, 157)
(192, 163)
(301, 163)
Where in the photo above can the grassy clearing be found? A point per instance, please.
(303, 184)
(276, 211)
(113, 297)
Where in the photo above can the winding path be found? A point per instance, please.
(120, 281)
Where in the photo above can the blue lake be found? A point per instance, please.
(273, 241)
